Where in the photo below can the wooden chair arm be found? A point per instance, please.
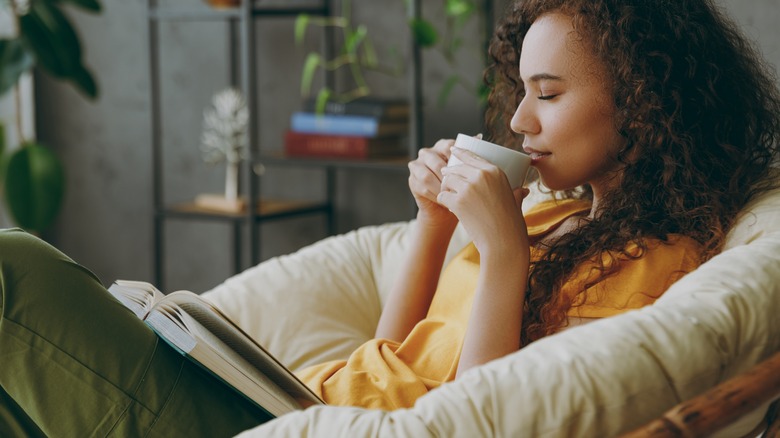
(717, 408)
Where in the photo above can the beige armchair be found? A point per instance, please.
(718, 408)
(600, 379)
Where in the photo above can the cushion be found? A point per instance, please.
(601, 378)
(611, 375)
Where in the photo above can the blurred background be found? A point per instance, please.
(106, 221)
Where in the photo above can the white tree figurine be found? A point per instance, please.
(224, 136)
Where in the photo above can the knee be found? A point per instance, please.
(21, 249)
(25, 262)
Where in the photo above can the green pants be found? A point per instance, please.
(75, 363)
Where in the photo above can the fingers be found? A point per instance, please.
(443, 147)
(434, 158)
(470, 158)
(520, 194)
(463, 182)
(423, 182)
(475, 180)
(473, 167)
(452, 183)
(425, 172)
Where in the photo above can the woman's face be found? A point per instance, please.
(567, 113)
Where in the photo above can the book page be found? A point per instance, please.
(199, 330)
(171, 327)
(237, 340)
(138, 296)
(187, 335)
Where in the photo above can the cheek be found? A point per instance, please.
(567, 126)
(611, 139)
(585, 140)
(598, 125)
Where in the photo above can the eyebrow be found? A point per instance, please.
(544, 77)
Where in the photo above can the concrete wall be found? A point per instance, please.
(107, 219)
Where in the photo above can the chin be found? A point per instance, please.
(554, 184)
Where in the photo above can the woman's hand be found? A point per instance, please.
(425, 175)
(478, 193)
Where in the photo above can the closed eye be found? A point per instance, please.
(547, 97)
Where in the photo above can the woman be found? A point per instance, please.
(626, 111)
(695, 106)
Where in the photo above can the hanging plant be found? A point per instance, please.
(32, 176)
(44, 37)
(35, 186)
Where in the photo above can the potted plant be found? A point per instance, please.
(449, 42)
(31, 176)
(357, 52)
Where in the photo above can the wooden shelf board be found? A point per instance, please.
(266, 208)
(202, 11)
(394, 163)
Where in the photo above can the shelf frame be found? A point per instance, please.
(243, 75)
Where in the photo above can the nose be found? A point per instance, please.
(524, 121)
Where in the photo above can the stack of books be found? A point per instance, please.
(360, 129)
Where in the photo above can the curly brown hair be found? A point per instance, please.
(700, 112)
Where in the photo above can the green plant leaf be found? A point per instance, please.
(483, 92)
(309, 68)
(34, 186)
(423, 32)
(301, 23)
(14, 60)
(459, 8)
(51, 37)
(86, 82)
(89, 5)
(354, 39)
(3, 157)
(322, 98)
(2, 144)
(456, 44)
(369, 54)
(446, 89)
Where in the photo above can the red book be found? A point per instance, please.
(299, 144)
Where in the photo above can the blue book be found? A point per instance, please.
(348, 125)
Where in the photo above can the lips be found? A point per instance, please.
(535, 154)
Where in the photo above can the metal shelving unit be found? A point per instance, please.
(242, 23)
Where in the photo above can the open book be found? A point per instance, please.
(202, 333)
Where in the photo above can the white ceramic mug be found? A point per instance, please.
(514, 163)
